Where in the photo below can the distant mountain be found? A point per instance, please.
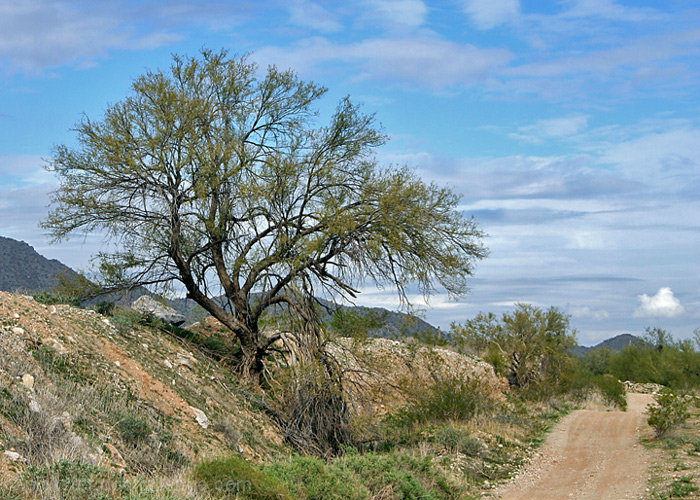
(616, 343)
(23, 269)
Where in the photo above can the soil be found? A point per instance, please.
(590, 454)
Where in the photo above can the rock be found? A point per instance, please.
(15, 315)
(34, 406)
(56, 345)
(149, 305)
(116, 456)
(167, 363)
(13, 456)
(184, 360)
(200, 417)
(28, 381)
(17, 330)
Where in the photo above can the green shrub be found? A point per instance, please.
(133, 430)
(72, 479)
(407, 476)
(451, 398)
(235, 477)
(458, 441)
(670, 411)
(125, 320)
(612, 390)
(52, 298)
(319, 480)
(682, 487)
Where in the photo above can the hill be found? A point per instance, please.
(616, 343)
(23, 268)
(94, 406)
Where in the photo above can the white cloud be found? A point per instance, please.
(312, 15)
(24, 170)
(487, 14)
(427, 61)
(398, 13)
(663, 304)
(41, 34)
(553, 128)
(587, 312)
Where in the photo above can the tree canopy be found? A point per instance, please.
(218, 177)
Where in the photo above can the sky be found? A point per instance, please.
(570, 128)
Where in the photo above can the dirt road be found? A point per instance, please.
(590, 454)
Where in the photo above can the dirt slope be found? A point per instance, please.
(590, 454)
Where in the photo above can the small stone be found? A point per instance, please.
(116, 456)
(28, 381)
(34, 406)
(118, 364)
(52, 310)
(200, 417)
(184, 360)
(15, 315)
(167, 363)
(17, 330)
(13, 456)
(106, 322)
(145, 346)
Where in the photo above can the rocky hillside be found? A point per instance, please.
(76, 385)
(24, 269)
(79, 387)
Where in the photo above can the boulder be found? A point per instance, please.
(149, 305)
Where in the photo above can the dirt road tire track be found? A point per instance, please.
(590, 454)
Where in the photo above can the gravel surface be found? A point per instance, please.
(590, 454)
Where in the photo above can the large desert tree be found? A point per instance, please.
(216, 176)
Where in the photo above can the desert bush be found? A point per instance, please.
(612, 390)
(458, 441)
(235, 477)
(399, 475)
(448, 398)
(52, 298)
(316, 479)
(670, 410)
(125, 320)
(133, 430)
(70, 479)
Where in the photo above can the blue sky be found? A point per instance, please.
(570, 128)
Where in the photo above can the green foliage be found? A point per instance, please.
(682, 487)
(670, 410)
(449, 398)
(675, 364)
(407, 476)
(235, 477)
(351, 323)
(242, 191)
(51, 298)
(456, 440)
(612, 390)
(134, 430)
(529, 346)
(73, 479)
(315, 479)
(125, 319)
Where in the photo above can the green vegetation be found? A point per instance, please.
(242, 192)
(612, 390)
(670, 410)
(235, 477)
(530, 347)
